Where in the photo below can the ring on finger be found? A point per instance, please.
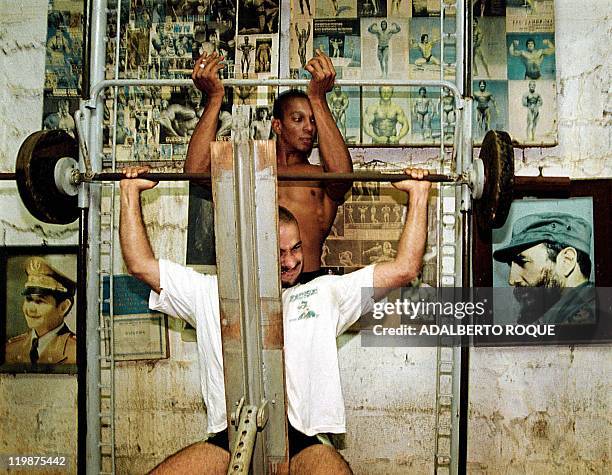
(203, 64)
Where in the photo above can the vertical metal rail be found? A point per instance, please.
(466, 254)
(106, 382)
(244, 190)
(107, 253)
(94, 123)
(449, 356)
(82, 343)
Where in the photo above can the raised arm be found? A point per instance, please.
(334, 155)
(135, 245)
(512, 49)
(206, 79)
(550, 47)
(409, 259)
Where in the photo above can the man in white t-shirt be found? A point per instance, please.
(314, 315)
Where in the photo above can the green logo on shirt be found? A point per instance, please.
(305, 311)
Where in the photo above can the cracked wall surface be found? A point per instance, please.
(531, 410)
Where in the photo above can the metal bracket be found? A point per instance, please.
(235, 416)
(249, 420)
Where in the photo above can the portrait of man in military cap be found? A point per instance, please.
(550, 250)
(41, 298)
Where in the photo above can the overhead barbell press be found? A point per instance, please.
(48, 177)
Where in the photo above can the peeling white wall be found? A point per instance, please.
(531, 410)
(547, 410)
(37, 412)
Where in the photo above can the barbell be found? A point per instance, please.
(48, 178)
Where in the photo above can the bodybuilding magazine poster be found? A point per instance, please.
(513, 40)
(63, 64)
(368, 225)
(161, 39)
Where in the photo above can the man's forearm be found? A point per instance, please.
(198, 152)
(334, 155)
(135, 246)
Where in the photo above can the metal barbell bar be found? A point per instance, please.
(48, 177)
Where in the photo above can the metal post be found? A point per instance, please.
(244, 191)
(82, 344)
(461, 380)
(95, 124)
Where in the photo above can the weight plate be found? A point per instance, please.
(497, 155)
(34, 172)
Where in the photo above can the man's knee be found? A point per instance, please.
(197, 458)
(319, 460)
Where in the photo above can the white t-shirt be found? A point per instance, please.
(314, 315)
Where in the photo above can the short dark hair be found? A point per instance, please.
(422, 89)
(530, 40)
(584, 260)
(286, 216)
(423, 36)
(280, 103)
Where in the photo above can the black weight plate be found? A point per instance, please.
(497, 155)
(35, 181)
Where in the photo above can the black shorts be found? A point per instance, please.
(297, 441)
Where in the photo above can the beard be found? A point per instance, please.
(536, 300)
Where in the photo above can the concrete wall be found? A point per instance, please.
(531, 410)
(547, 410)
(37, 412)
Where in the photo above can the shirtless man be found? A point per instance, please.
(307, 5)
(299, 118)
(180, 120)
(380, 252)
(338, 103)
(386, 210)
(478, 54)
(384, 36)
(395, 5)
(245, 61)
(336, 43)
(302, 39)
(532, 100)
(532, 58)
(483, 101)
(362, 213)
(348, 212)
(425, 46)
(423, 110)
(336, 7)
(261, 126)
(382, 119)
(263, 55)
(373, 211)
(61, 119)
(448, 113)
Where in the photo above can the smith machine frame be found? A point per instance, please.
(255, 399)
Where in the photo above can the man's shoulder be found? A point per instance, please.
(17, 339)
(303, 167)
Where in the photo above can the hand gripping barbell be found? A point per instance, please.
(48, 178)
